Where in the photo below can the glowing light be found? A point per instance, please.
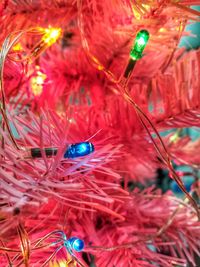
(73, 151)
(141, 41)
(138, 13)
(76, 244)
(51, 35)
(37, 83)
(174, 138)
(79, 150)
(61, 263)
(17, 47)
(162, 30)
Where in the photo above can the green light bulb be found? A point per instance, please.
(141, 41)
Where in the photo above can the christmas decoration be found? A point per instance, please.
(97, 165)
(79, 150)
(140, 43)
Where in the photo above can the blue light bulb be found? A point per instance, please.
(187, 183)
(76, 244)
(79, 150)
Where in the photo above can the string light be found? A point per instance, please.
(37, 82)
(72, 151)
(75, 244)
(49, 151)
(17, 47)
(62, 263)
(79, 150)
(72, 245)
(188, 182)
(141, 41)
(50, 36)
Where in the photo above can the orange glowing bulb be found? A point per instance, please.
(50, 36)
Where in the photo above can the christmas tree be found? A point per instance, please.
(87, 90)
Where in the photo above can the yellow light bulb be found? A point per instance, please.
(17, 47)
(62, 263)
(51, 35)
(37, 83)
